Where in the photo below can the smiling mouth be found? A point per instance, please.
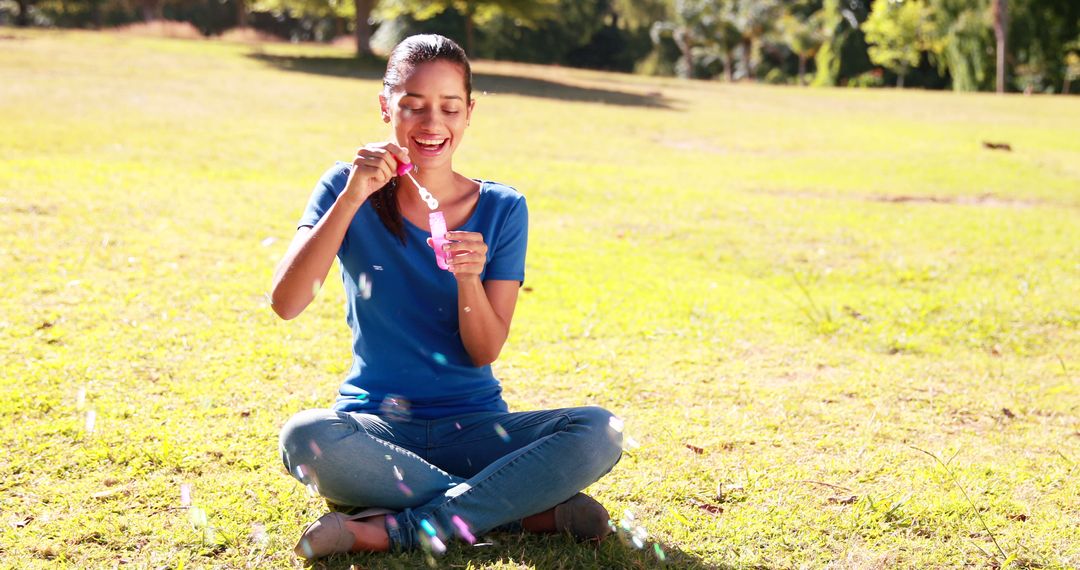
(433, 145)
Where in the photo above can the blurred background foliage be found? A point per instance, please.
(965, 45)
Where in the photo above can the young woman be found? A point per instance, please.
(420, 431)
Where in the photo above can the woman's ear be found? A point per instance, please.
(385, 106)
(468, 115)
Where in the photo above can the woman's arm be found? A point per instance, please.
(486, 308)
(303, 269)
(484, 315)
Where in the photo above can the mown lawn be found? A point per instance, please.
(794, 298)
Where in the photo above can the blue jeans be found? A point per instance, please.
(455, 476)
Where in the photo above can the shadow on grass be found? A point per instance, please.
(528, 550)
(492, 83)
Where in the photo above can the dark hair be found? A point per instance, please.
(407, 55)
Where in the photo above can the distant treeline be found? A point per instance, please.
(966, 45)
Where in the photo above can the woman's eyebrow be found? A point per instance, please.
(421, 96)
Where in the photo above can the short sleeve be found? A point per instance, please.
(507, 260)
(326, 192)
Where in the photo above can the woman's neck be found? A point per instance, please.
(442, 184)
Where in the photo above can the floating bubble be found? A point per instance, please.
(457, 425)
(439, 357)
(404, 489)
(185, 495)
(301, 473)
(363, 286)
(437, 545)
(197, 516)
(395, 408)
(428, 528)
(630, 443)
(315, 450)
(388, 458)
(313, 489)
(363, 397)
(468, 309)
(463, 529)
(315, 288)
(659, 552)
(91, 418)
(639, 536)
(80, 399)
(306, 547)
(502, 432)
(616, 424)
(258, 534)
(397, 473)
(268, 241)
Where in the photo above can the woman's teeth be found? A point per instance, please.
(430, 144)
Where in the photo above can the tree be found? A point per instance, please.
(753, 19)
(803, 36)
(1001, 28)
(702, 29)
(474, 11)
(898, 34)
(357, 10)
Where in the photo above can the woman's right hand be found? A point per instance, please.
(374, 165)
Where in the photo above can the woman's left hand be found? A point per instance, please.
(466, 254)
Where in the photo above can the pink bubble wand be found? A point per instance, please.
(436, 220)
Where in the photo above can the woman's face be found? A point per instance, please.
(429, 112)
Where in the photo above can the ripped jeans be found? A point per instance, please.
(459, 476)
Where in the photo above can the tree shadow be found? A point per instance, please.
(536, 551)
(487, 83)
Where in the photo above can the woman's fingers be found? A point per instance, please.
(466, 252)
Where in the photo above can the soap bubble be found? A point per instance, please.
(428, 528)
(404, 489)
(91, 419)
(363, 286)
(395, 408)
(502, 432)
(397, 473)
(616, 424)
(439, 357)
(463, 529)
(258, 534)
(659, 552)
(80, 399)
(185, 495)
(197, 516)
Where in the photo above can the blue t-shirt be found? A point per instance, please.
(403, 309)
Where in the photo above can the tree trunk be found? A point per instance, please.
(899, 80)
(23, 20)
(151, 10)
(470, 33)
(1001, 29)
(363, 28)
(802, 69)
(241, 14)
(748, 58)
(729, 66)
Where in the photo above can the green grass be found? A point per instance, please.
(812, 286)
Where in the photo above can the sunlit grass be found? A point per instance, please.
(809, 286)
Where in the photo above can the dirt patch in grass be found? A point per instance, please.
(986, 200)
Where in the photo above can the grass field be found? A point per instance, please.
(795, 298)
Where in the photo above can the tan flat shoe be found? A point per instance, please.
(583, 517)
(328, 535)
